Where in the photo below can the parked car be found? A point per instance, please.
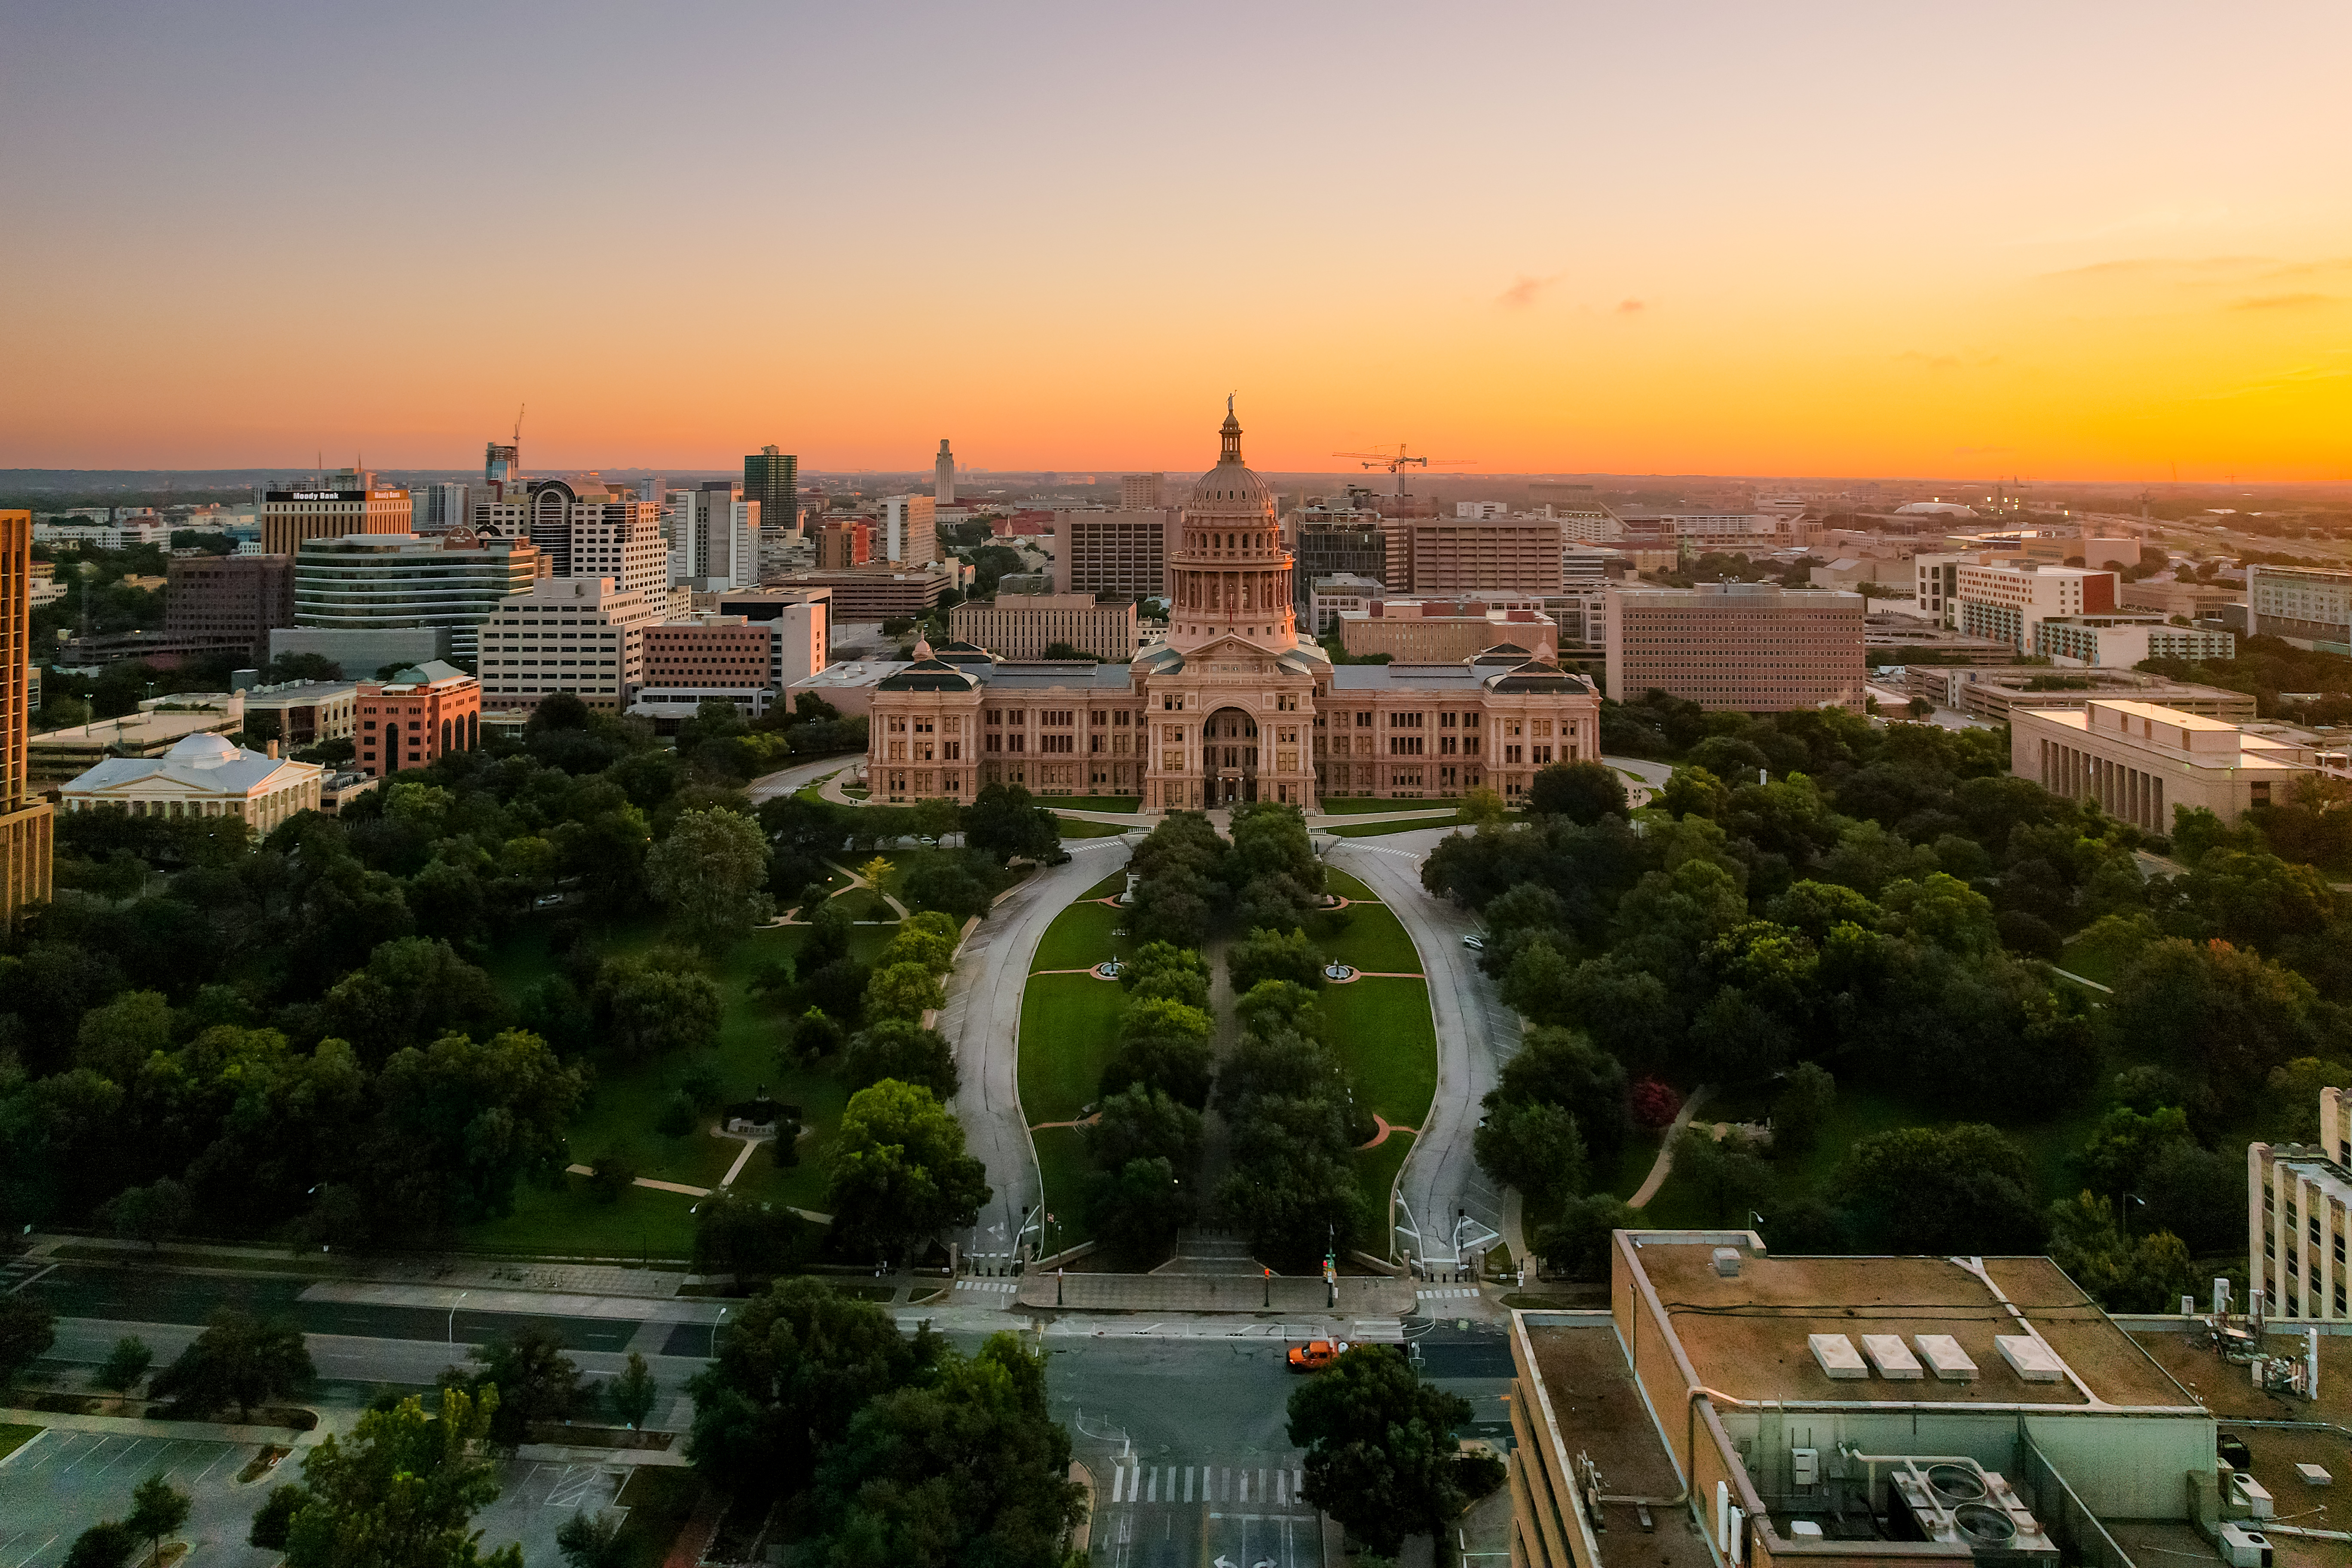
(1475, 942)
(1315, 1354)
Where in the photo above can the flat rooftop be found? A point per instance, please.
(1748, 1336)
(1599, 1410)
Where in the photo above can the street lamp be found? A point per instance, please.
(714, 1332)
(453, 1315)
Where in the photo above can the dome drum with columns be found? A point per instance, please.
(1232, 707)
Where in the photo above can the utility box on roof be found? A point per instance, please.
(1945, 1358)
(2031, 1359)
(1838, 1357)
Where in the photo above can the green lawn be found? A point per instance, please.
(1352, 806)
(1061, 1163)
(1376, 1173)
(1081, 935)
(1129, 803)
(1068, 1027)
(1382, 1032)
(13, 1437)
(626, 1097)
(1368, 936)
(2100, 960)
(1073, 828)
(1374, 829)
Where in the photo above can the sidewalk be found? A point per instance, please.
(1294, 1294)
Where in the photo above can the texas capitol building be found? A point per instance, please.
(1232, 706)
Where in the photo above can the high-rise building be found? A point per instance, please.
(1115, 554)
(233, 602)
(714, 537)
(584, 528)
(1140, 492)
(1436, 555)
(1747, 647)
(437, 508)
(348, 502)
(580, 635)
(2009, 603)
(843, 544)
(772, 477)
(1024, 625)
(799, 621)
(502, 465)
(376, 583)
(943, 476)
(27, 842)
(2309, 607)
(909, 531)
(1349, 549)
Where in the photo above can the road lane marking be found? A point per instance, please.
(94, 1447)
(36, 1551)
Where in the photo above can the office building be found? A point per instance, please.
(1352, 546)
(907, 533)
(200, 775)
(1936, 581)
(1995, 690)
(301, 712)
(502, 465)
(348, 502)
(2008, 602)
(943, 476)
(2141, 762)
(1702, 533)
(1114, 554)
(2306, 605)
(1234, 706)
(706, 657)
(800, 628)
(1140, 492)
(714, 537)
(875, 592)
(584, 528)
(1736, 1409)
(1441, 555)
(27, 824)
(580, 635)
(843, 544)
(231, 601)
(1339, 593)
(416, 717)
(2191, 601)
(438, 508)
(1023, 626)
(1418, 631)
(1745, 646)
(772, 477)
(2299, 1216)
(391, 581)
(2124, 639)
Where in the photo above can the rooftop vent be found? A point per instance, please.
(1726, 1262)
(1945, 1358)
(2031, 1359)
(1838, 1357)
(1891, 1357)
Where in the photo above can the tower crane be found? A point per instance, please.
(1396, 462)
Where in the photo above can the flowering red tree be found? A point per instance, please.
(1653, 1104)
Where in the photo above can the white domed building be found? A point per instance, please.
(1232, 706)
(203, 775)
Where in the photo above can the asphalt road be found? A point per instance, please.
(1441, 1183)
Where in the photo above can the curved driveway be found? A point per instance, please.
(1476, 1035)
(983, 1021)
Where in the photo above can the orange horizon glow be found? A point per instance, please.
(2103, 246)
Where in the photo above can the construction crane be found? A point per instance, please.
(1396, 462)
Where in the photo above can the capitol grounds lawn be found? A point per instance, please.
(1407, 825)
(1357, 804)
(13, 1437)
(1127, 803)
(1381, 1027)
(1077, 827)
(627, 1095)
(1069, 1023)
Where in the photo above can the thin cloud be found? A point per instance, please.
(1631, 307)
(1525, 291)
(2284, 302)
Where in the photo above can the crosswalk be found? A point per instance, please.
(1444, 1295)
(994, 1286)
(1267, 1486)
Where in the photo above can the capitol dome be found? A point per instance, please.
(1230, 490)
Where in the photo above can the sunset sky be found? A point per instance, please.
(2084, 240)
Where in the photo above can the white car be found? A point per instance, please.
(1475, 942)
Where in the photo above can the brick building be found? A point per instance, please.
(1023, 625)
(1439, 631)
(1120, 554)
(232, 601)
(841, 545)
(1747, 647)
(27, 822)
(707, 651)
(1234, 706)
(1436, 555)
(409, 722)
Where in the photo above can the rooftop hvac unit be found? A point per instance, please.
(2244, 1548)
(1963, 1504)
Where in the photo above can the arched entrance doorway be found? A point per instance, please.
(1229, 755)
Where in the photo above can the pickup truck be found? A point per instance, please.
(1315, 1354)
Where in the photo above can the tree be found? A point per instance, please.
(591, 1540)
(1534, 1147)
(904, 991)
(2219, 1017)
(27, 1329)
(900, 1173)
(1181, 1065)
(1581, 792)
(967, 1467)
(741, 1236)
(109, 1543)
(1137, 1208)
(1145, 1123)
(125, 1364)
(1561, 1068)
(1001, 822)
(1270, 955)
(1801, 1107)
(534, 1380)
(1576, 1245)
(711, 873)
(157, 1508)
(150, 1214)
(1959, 1189)
(460, 1123)
(398, 1492)
(1483, 806)
(1382, 1456)
(2147, 1273)
(631, 1392)
(816, 1037)
(791, 1370)
(239, 1361)
(899, 1048)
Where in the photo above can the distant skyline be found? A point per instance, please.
(2102, 242)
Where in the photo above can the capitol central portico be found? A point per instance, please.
(1232, 707)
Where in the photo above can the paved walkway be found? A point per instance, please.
(1364, 1296)
(1664, 1165)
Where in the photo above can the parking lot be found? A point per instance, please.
(60, 1483)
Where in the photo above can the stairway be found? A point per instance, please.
(1201, 1253)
